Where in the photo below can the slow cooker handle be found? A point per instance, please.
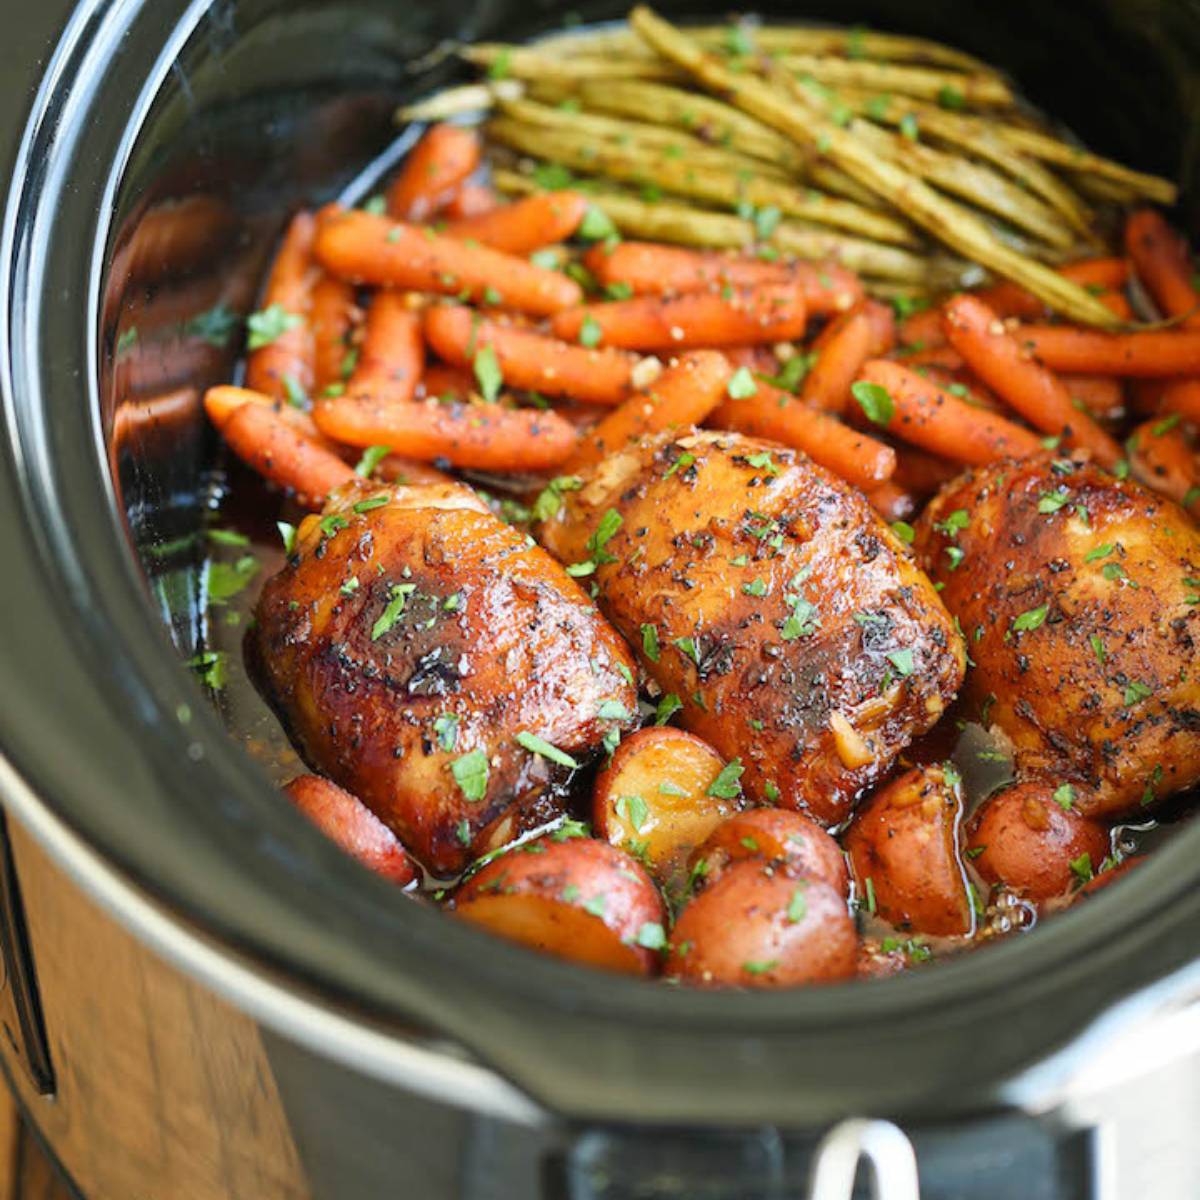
(885, 1147)
(643, 1164)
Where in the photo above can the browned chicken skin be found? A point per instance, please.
(410, 639)
(1079, 598)
(796, 630)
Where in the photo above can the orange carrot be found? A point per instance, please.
(442, 382)
(1161, 260)
(441, 161)
(220, 403)
(270, 444)
(892, 503)
(922, 329)
(531, 360)
(777, 415)
(773, 313)
(1011, 300)
(1181, 396)
(332, 321)
(943, 424)
(923, 473)
(1148, 354)
(964, 385)
(471, 200)
(1037, 394)
(940, 355)
(394, 468)
(1161, 456)
(364, 248)
(525, 225)
(844, 345)
(1101, 395)
(1104, 275)
(283, 359)
(683, 395)
(392, 356)
(652, 269)
(484, 437)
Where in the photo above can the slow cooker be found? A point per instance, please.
(340, 1044)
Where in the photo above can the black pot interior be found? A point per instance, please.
(273, 104)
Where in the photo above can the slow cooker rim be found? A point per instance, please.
(543, 981)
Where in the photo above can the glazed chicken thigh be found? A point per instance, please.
(1080, 598)
(435, 663)
(769, 600)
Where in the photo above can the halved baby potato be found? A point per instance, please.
(903, 848)
(1033, 838)
(576, 898)
(776, 835)
(760, 926)
(663, 793)
(346, 820)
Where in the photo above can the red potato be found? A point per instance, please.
(656, 798)
(760, 926)
(346, 820)
(1028, 835)
(576, 898)
(778, 836)
(903, 848)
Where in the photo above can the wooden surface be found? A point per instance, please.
(163, 1091)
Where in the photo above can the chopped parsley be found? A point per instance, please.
(372, 456)
(875, 401)
(487, 374)
(445, 729)
(1030, 619)
(536, 745)
(741, 384)
(650, 642)
(726, 785)
(269, 325)
(1064, 797)
(400, 593)
(668, 706)
(471, 774)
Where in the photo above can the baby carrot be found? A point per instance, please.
(1160, 259)
(1182, 396)
(471, 200)
(332, 320)
(778, 416)
(891, 502)
(442, 382)
(394, 468)
(1101, 395)
(269, 444)
(364, 248)
(1161, 456)
(1149, 354)
(282, 353)
(525, 225)
(1105, 275)
(1037, 394)
(220, 403)
(923, 473)
(483, 437)
(844, 345)
(923, 414)
(652, 269)
(683, 395)
(531, 360)
(771, 313)
(441, 161)
(392, 356)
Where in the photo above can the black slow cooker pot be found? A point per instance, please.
(408, 1046)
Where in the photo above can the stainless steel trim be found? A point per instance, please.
(888, 1153)
(436, 1073)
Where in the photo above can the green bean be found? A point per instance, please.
(920, 203)
(672, 222)
(713, 176)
